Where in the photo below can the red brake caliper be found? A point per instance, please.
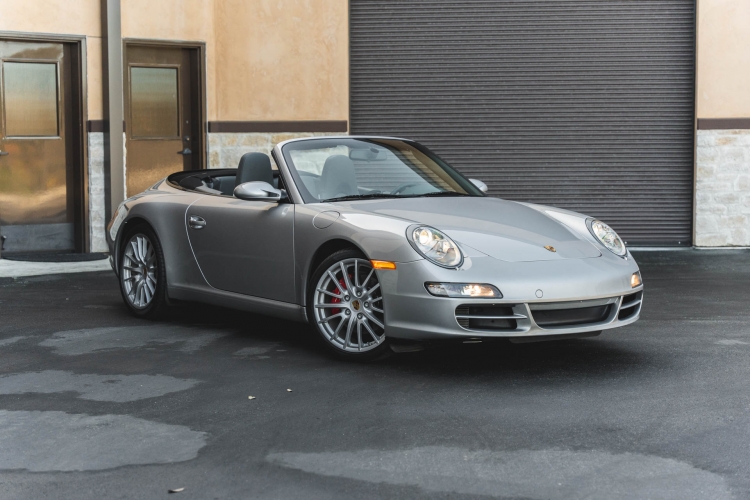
(336, 300)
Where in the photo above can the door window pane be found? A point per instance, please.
(30, 99)
(154, 102)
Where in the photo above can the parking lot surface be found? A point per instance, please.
(97, 404)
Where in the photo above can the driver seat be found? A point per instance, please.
(338, 178)
(254, 167)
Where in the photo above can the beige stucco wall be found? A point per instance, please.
(282, 59)
(722, 160)
(266, 59)
(723, 60)
(73, 17)
(68, 17)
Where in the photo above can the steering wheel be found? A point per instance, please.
(403, 187)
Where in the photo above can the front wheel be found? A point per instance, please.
(142, 273)
(345, 305)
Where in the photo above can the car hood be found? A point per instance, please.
(505, 230)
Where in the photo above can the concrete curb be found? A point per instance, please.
(17, 269)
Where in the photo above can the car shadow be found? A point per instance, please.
(591, 357)
(611, 353)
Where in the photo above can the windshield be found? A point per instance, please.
(347, 168)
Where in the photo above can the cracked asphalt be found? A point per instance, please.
(97, 404)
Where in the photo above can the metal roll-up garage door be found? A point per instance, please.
(582, 104)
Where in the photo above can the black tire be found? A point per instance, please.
(373, 352)
(157, 303)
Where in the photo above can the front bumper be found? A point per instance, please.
(412, 313)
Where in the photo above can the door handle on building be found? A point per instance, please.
(4, 153)
(196, 222)
(185, 151)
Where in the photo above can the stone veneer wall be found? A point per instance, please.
(722, 188)
(97, 223)
(226, 149)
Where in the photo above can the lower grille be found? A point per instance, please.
(570, 317)
(487, 317)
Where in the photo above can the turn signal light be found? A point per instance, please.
(635, 280)
(383, 264)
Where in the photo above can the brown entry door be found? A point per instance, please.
(36, 172)
(161, 114)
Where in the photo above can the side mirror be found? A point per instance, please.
(481, 185)
(257, 191)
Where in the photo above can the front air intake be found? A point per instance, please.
(572, 313)
(572, 317)
(493, 317)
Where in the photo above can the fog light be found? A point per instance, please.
(635, 280)
(476, 290)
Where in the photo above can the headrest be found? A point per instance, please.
(254, 167)
(338, 178)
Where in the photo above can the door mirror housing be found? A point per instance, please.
(481, 185)
(257, 191)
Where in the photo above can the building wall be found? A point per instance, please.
(287, 60)
(267, 61)
(66, 17)
(277, 60)
(282, 60)
(184, 20)
(722, 180)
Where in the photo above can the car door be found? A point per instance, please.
(244, 246)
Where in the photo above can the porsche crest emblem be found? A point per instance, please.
(550, 248)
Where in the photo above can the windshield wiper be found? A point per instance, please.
(361, 197)
(394, 196)
(440, 193)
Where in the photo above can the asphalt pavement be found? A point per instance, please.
(97, 404)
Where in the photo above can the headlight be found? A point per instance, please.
(607, 236)
(435, 246)
(636, 280)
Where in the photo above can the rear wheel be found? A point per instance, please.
(345, 305)
(142, 273)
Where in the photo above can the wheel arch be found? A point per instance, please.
(321, 253)
(128, 224)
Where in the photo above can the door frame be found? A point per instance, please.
(201, 110)
(79, 135)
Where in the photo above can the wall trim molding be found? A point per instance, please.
(723, 123)
(278, 126)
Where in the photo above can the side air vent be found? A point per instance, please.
(631, 304)
(487, 317)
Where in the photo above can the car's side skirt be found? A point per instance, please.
(232, 300)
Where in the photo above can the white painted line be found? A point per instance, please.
(731, 342)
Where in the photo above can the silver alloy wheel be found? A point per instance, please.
(139, 271)
(348, 306)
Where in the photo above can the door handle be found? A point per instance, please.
(4, 153)
(196, 222)
(185, 151)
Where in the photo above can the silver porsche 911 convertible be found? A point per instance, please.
(375, 241)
